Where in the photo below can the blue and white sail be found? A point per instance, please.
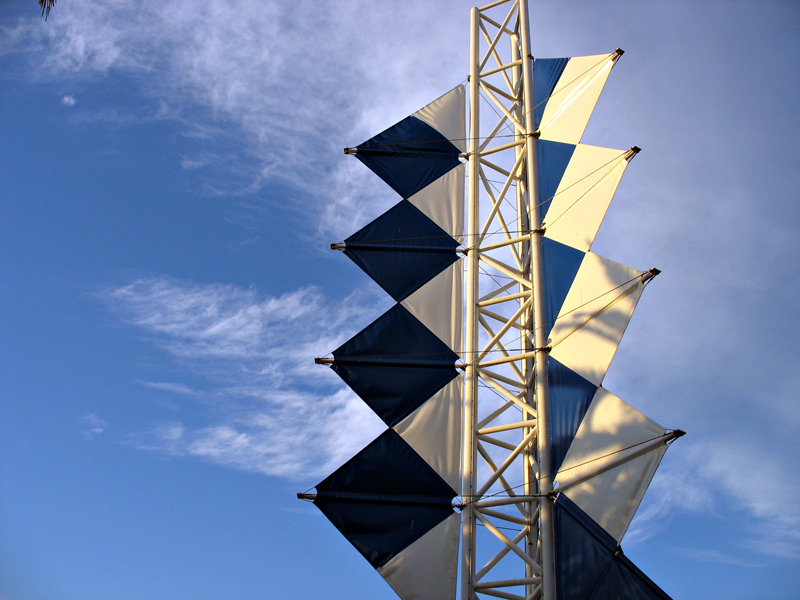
(393, 500)
(566, 91)
(610, 429)
(603, 451)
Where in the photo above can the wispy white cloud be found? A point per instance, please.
(708, 477)
(166, 386)
(274, 411)
(188, 165)
(68, 101)
(96, 425)
(287, 104)
(716, 557)
(283, 433)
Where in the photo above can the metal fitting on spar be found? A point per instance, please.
(631, 153)
(650, 274)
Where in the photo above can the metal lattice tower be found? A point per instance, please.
(506, 442)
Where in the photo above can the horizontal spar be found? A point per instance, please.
(386, 361)
(393, 247)
(378, 499)
(621, 460)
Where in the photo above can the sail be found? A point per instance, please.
(393, 500)
(576, 200)
(566, 91)
(395, 364)
(431, 431)
(419, 149)
(609, 429)
(384, 499)
(423, 571)
(591, 565)
(594, 315)
(402, 250)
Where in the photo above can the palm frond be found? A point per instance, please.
(46, 5)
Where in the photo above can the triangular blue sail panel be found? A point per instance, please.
(402, 250)
(553, 158)
(384, 498)
(625, 581)
(561, 264)
(409, 155)
(570, 397)
(590, 564)
(395, 364)
(546, 72)
(583, 551)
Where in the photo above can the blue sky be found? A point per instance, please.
(170, 177)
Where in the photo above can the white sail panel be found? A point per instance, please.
(426, 570)
(594, 316)
(443, 202)
(439, 305)
(572, 101)
(583, 195)
(446, 114)
(610, 428)
(434, 432)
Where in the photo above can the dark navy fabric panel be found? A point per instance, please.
(409, 155)
(570, 397)
(402, 250)
(624, 581)
(561, 264)
(546, 72)
(552, 161)
(590, 565)
(385, 498)
(395, 364)
(584, 551)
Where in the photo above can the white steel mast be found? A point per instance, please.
(507, 243)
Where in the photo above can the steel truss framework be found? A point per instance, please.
(504, 485)
(507, 484)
